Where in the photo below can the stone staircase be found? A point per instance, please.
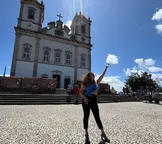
(61, 91)
(44, 99)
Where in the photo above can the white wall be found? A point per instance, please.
(25, 25)
(66, 36)
(51, 31)
(26, 39)
(24, 69)
(81, 73)
(85, 41)
(47, 69)
(56, 45)
(83, 51)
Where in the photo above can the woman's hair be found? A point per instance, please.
(86, 81)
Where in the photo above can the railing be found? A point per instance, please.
(10, 82)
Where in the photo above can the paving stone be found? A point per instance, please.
(124, 123)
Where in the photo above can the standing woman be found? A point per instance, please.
(90, 87)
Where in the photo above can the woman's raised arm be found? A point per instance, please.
(101, 77)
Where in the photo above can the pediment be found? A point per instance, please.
(58, 32)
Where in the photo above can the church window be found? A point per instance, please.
(58, 56)
(68, 56)
(26, 52)
(83, 29)
(46, 54)
(31, 13)
(82, 60)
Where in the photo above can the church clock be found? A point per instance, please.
(30, 26)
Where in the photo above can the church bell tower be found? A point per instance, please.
(31, 15)
(81, 28)
(30, 18)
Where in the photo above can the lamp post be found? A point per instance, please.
(4, 72)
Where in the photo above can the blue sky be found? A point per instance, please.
(129, 30)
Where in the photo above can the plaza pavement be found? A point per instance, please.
(125, 123)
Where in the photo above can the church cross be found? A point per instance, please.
(60, 16)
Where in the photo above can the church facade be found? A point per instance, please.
(51, 52)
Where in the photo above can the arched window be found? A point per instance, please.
(68, 57)
(83, 29)
(46, 54)
(82, 60)
(31, 13)
(26, 51)
(58, 56)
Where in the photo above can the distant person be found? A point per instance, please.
(124, 90)
(69, 89)
(51, 87)
(113, 92)
(76, 92)
(127, 91)
(90, 87)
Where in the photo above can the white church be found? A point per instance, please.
(53, 51)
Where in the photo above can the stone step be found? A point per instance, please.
(53, 99)
(42, 103)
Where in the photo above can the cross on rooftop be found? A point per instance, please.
(60, 16)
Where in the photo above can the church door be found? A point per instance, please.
(58, 80)
(66, 82)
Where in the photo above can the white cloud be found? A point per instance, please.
(140, 63)
(147, 65)
(113, 81)
(157, 15)
(158, 27)
(129, 72)
(68, 23)
(144, 64)
(158, 77)
(112, 59)
(154, 69)
(149, 62)
(9, 67)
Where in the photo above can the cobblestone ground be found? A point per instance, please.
(125, 123)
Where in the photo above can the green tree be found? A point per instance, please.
(143, 82)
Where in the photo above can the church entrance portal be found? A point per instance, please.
(58, 80)
(66, 82)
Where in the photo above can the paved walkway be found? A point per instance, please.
(125, 123)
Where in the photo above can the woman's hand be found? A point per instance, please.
(107, 65)
(86, 101)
